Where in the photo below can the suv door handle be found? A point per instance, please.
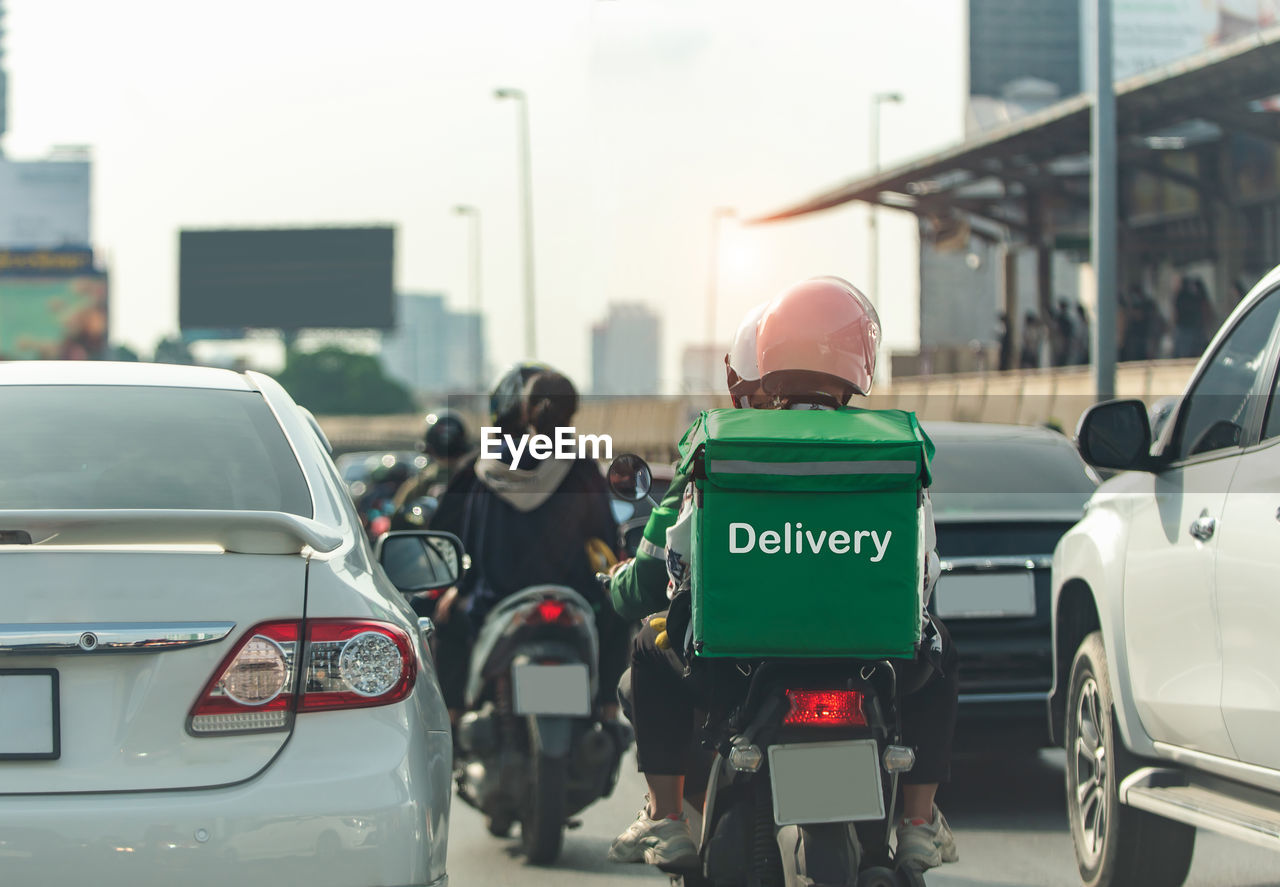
(1202, 527)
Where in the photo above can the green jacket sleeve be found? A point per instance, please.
(640, 587)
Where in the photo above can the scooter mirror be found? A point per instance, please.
(630, 477)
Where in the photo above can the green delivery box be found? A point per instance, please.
(807, 532)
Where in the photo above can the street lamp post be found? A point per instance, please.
(873, 231)
(473, 213)
(526, 202)
(718, 215)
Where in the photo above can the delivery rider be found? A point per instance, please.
(812, 347)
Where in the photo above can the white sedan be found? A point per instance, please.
(205, 677)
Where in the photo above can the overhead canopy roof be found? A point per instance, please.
(1034, 153)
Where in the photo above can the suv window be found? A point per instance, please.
(1213, 414)
(104, 446)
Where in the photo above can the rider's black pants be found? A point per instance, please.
(662, 701)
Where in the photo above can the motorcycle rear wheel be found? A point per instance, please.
(542, 825)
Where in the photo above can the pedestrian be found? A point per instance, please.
(1004, 335)
(1192, 316)
(1086, 336)
(1033, 336)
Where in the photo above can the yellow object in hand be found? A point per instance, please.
(662, 641)
(658, 623)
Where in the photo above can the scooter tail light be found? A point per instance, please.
(825, 708)
(549, 611)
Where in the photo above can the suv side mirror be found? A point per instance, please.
(1116, 435)
(421, 560)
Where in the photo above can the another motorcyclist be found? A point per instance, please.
(446, 444)
(527, 521)
(815, 347)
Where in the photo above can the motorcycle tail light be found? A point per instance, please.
(825, 708)
(550, 611)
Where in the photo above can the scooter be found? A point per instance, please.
(530, 748)
(802, 758)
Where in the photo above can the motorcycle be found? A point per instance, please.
(530, 748)
(800, 761)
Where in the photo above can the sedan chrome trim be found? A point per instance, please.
(1007, 562)
(108, 637)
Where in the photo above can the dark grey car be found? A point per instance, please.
(1002, 496)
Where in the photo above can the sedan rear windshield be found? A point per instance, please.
(101, 446)
(991, 475)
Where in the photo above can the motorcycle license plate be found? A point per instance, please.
(29, 714)
(552, 689)
(826, 782)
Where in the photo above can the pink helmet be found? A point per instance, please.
(816, 332)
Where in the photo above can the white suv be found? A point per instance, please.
(1165, 618)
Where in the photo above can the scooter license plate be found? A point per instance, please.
(552, 689)
(826, 782)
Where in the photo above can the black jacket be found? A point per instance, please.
(513, 545)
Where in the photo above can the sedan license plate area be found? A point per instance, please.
(985, 595)
(826, 782)
(29, 715)
(552, 689)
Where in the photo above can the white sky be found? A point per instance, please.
(645, 115)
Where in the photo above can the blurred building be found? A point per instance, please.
(434, 350)
(44, 204)
(702, 369)
(625, 350)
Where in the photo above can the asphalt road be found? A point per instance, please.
(1008, 816)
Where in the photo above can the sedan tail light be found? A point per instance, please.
(252, 688)
(825, 708)
(347, 664)
(353, 664)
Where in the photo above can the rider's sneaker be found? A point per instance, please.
(923, 845)
(667, 842)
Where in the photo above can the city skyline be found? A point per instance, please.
(644, 117)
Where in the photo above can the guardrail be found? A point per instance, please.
(651, 426)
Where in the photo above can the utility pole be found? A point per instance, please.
(1103, 205)
(526, 204)
(873, 230)
(473, 213)
(718, 215)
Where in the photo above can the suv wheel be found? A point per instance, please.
(1115, 845)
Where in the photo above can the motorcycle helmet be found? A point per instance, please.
(742, 370)
(817, 335)
(445, 436)
(506, 401)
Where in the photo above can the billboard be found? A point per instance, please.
(44, 203)
(53, 305)
(286, 278)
